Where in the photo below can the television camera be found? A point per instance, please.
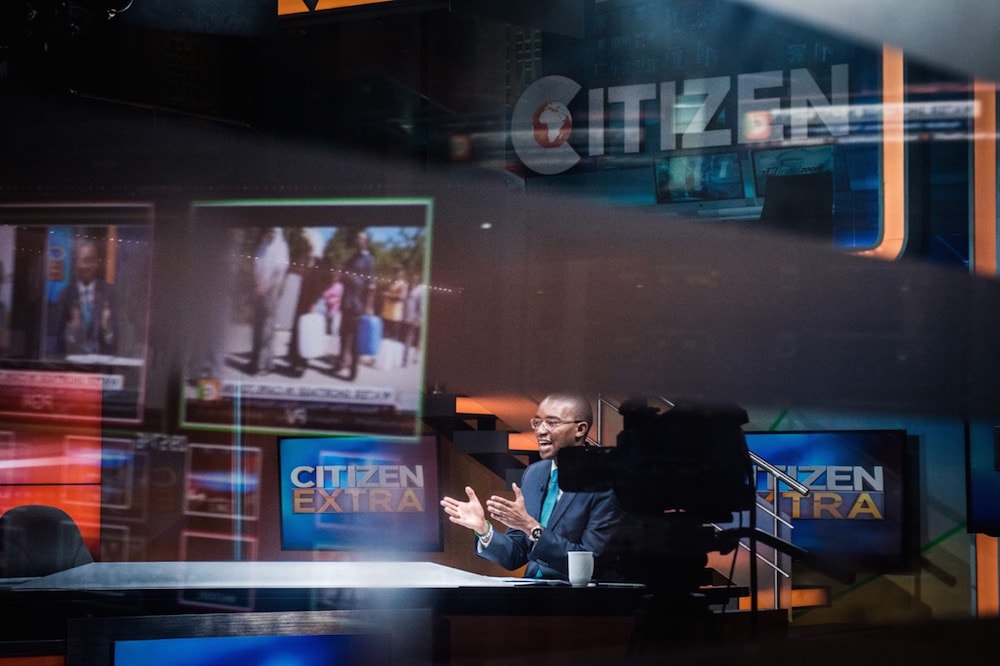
(677, 474)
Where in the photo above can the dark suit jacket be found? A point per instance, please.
(580, 521)
(92, 339)
(359, 280)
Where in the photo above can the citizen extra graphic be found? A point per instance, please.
(689, 114)
(541, 124)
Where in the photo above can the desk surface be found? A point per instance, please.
(38, 609)
(125, 576)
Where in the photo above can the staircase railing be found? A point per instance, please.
(777, 523)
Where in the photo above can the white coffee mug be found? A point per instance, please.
(581, 567)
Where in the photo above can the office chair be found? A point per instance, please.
(800, 203)
(36, 540)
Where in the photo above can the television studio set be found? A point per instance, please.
(493, 331)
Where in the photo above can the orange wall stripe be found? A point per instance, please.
(984, 160)
(987, 580)
(984, 262)
(893, 239)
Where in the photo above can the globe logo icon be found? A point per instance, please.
(551, 124)
(541, 124)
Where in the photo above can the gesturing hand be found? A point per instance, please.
(511, 512)
(467, 514)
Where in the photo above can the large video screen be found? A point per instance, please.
(74, 310)
(699, 178)
(308, 317)
(380, 636)
(982, 460)
(358, 493)
(56, 466)
(222, 481)
(854, 514)
(255, 650)
(789, 161)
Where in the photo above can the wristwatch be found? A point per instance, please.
(536, 533)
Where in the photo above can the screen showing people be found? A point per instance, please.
(315, 318)
(74, 299)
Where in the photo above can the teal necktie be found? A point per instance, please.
(548, 504)
(87, 301)
(550, 498)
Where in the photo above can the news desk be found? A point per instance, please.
(130, 576)
(478, 613)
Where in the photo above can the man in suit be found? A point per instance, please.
(358, 300)
(578, 521)
(86, 309)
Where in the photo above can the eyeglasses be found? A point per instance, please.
(551, 423)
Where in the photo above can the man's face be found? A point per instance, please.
(87, 264)
(568, 431)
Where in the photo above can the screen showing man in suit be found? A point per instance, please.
(544, 523)
(86, 308)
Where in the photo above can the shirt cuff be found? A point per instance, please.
(485, 539)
